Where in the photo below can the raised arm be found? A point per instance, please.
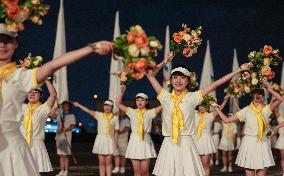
(224, 118)
(278, 99)
(236, 104)
(85, 109)
(102, 48)
(223, 104)
(52, 94)
(224, 79)
(118, 102)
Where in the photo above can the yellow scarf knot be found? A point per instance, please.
(201, 124)
(141, 122)
(107, 118)
(28, 122)
(260, 119)
(177, 120)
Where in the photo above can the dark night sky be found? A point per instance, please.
(244, 25)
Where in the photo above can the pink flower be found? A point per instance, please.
(187, 52)
(267, 49)
(190, 43)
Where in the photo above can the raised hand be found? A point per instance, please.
(246, 66)
(122, 89)
(102, 47)
(76, 104)
(169, 57)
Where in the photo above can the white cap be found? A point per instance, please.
(142, 95)
(182, 70)
(3, 30)
(108, 102)
(36, 88)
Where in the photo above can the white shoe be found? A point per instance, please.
(224, 169)
(115, 170)
(217, 162)
(122, 170)
(66, 173)
(60, 173)
(230, 169)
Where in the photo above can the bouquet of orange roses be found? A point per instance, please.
(16, 12)
(186, 41)
(236, 88)
(31, 62)
(137, 52)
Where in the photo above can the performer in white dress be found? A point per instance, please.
(178, 154)
(33, 125)
(120, 151)
(216, 133)
(203, 138)
(140, 148)
(255, 151)
(227, 145)
(107, 138)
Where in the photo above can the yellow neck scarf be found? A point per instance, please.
(28, 125)
(260, 119)
(201, 124)
(141, 122)
(107, 118)
(5, 71)
(229, 130)
(177, 121)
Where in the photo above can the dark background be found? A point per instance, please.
(244, 25)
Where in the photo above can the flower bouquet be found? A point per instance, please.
(276, 87)
(31, 62)
(236, 88)
(208, 101)
(16, 12)
(137, 52)
(186, 41)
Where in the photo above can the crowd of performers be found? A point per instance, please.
(189, 142)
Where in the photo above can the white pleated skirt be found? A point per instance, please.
(216, 140)
(63, 146)
(253, 154)
(122, 147)
(40, 155)
(226, 144)
(104, 145)
(180, 159)
(16, 158)
(140, 149)
(280, 142)
(205, 145)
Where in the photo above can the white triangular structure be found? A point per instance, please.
(168, 67)
(234, 67)
(60, 76)
(207, 76)
(281, 106)
(115, 68)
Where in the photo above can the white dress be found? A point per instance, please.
(37, 145)
(64, 140)
(122, 138)
(140, 149)
(104, 144)
(227, 139)
(205, 145)
(16, 158)
(254, 154)
(180, 159)
(217, 127)
(280, 141)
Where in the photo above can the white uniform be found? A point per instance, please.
(64, 140)
(122, 138)
(16, 158)
(37, 145)
(254, 154)
(217, 127)
(205, 145)
(227, 139)
(280, 141)
(180, 159)
(104, 144)
(140, 149)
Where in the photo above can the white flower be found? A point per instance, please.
(186, 37)
(247, 89)
(138, 29)
(251, 54)
(144, 51)
(36, 63)
(133, 50)
(39, 58)
(154, 43)
(254, 81)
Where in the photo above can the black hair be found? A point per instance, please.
(70, 104)
(257, 91)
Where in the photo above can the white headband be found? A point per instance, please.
(182, 70)
(108, 102)
(142, 95)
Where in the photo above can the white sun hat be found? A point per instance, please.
(182, 70)
(142, 95)
(108, 102)
(3, 30)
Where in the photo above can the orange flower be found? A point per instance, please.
(177, 39)
(10, 2)
(267, 49)
(181, 33)
(175, 34)
(266, 71)
(138, 75)
(141, 65)
(271, 75)
(129, 67)
(13, 11)
(141, 40)
(131, 37)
